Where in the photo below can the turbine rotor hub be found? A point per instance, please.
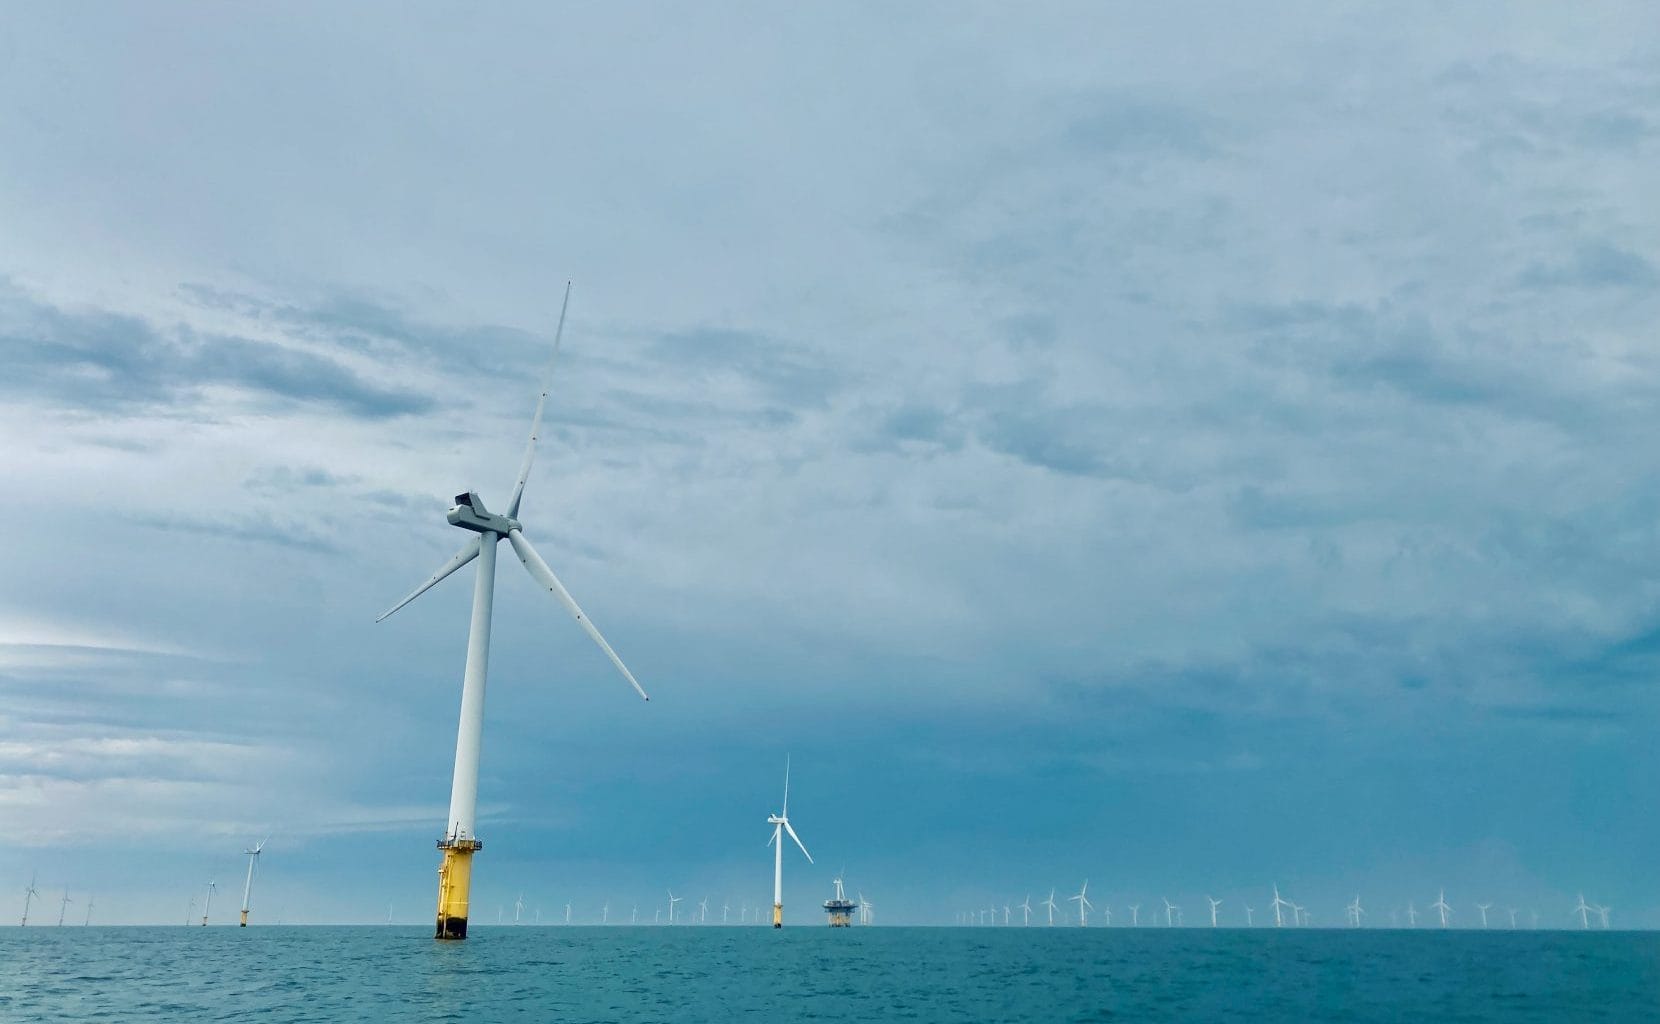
(469, 513)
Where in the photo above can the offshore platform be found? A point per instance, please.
(840, 908)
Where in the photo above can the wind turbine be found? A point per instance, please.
(518, 908)
(208, 903)
(1483, 908)
(190, 911)
(1050, 903)
(703, 911)
(1135, 915)
(567, 913)
(780, 823)
(1169, 913)
(1025, 911)
(1278, 903)
(1355, 911)
(248, 886)
(64, 906)
(1581, 908)
(1084, 905)
(673, 899)
(1441, 905)
(1603, 912)
(1005, 914)
(88, 920)
(725, 911)
(634, 915)
(1411, 915)
(1512, 913)
(1249, 910)
(1214, 904)
(28, 896)
(460, 840)
(865, 907)
(605, 913)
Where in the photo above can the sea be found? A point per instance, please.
(707, 974)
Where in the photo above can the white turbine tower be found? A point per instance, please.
(1581, 908)
(1355, 911)
(28, 897)
(1026, 911)
(703, 911)
(1135, 915)
(1052, 906)
(673, 899)
(1084, 905)
(605, 913)
(1483, 907)
(1214, 904)
(518, 908)
(460, 840)
(1440, 904)
(88, 921)
(248, 886)
(780, 823)
(1411, 915)
(1169, 913)
(208, 904)
(866, 907)
(1278, 904)
(63, 907)
(1249, 911)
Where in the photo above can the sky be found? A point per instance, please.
(1182, 447)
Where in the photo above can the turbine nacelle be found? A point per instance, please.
(469, 513)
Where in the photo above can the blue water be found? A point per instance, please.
(696, 974)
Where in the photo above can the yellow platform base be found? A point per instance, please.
(455, 878)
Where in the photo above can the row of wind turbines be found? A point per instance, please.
(1299, 916)
(670, 910)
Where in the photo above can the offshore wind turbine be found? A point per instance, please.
(28, 896)
(1084, 905)
(518, 908)
(1581, 908)
(1025, 911)
(1440, 904)
(1249, 910)
(1169, 913)
(460, 840)
(248, 886)
(1135, 915)
(1050, 903)
(1411, 915)
(780, 823)
(1214, 904)
(673, 899)
(1483, 908)
(88, 920)
(1278, 903)
(64, 906)
(1354, 911)
(208, 904)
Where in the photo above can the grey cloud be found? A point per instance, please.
(112, 362)
(1592, 265)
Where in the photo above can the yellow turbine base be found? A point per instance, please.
(455, 878)
(244, 919)
(778, 915)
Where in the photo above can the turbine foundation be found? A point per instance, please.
(455, 878)
(778, 915)
(244, 923)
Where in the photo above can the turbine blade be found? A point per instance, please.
(468, 552)
(785, 813)
(541, 403)
(540, 572)
(798, 842)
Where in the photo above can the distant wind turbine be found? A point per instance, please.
(248, 886)
(1355, 911)
(1411, 915)
(1135, 915)
(1050, 903)
(460, 839)
(28, 896)
(780, 823)
(1278, 904)
(64, 906)
(1169, 913)
(1082, 899)
(1214, 905)
(673, 899)
(88, 920)
(1581, 908)
(1512, 912)
(1249, 910)
(1483, 907)
(703, 911)
(208, 903)
(190, 912)
(1025, 910)
(1440, 904)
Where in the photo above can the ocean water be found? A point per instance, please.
(697, 974)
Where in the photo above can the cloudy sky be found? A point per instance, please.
(1182, 447)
